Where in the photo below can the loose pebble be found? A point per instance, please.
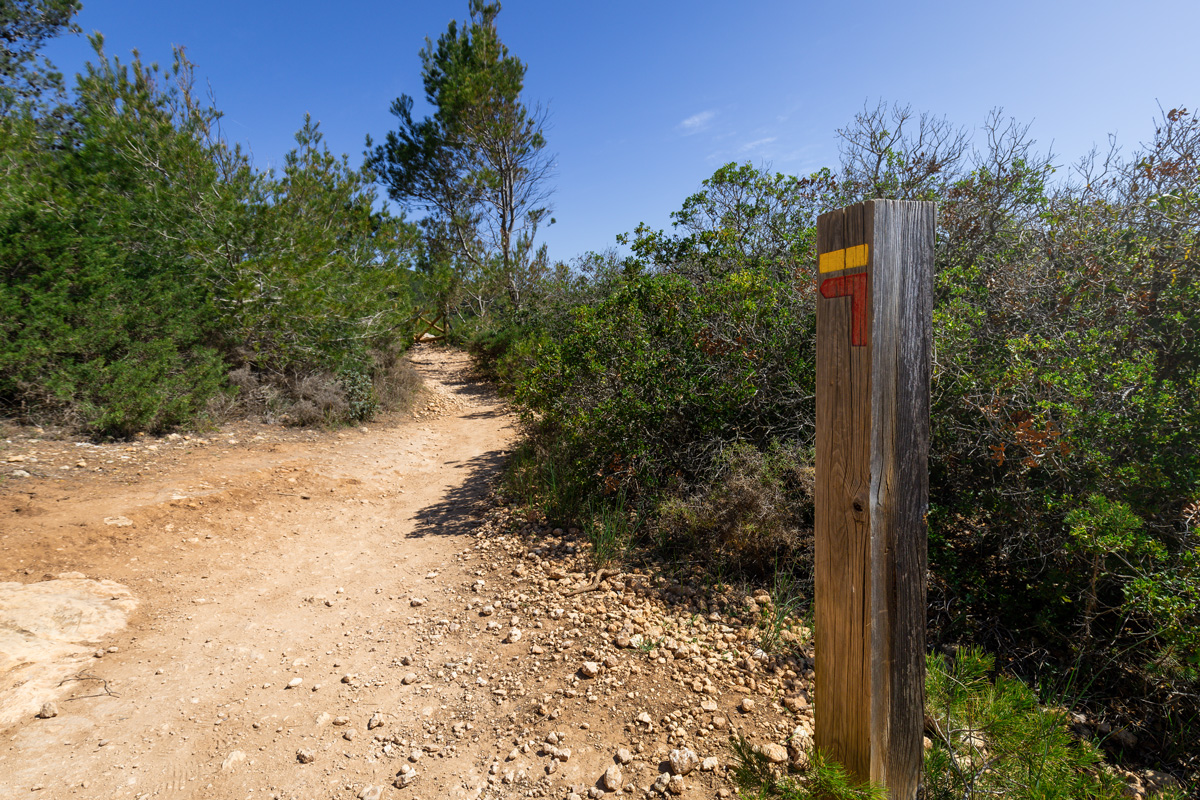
(683, 760)
(612, 778)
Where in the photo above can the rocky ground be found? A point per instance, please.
(264, 612)
(268, 613)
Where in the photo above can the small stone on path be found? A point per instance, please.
(683, 761)
(612, 778)
(232, 760)
(775, 753)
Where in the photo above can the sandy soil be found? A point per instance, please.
(345, 615)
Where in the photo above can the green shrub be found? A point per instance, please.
(992, 738)
(754, 512)
(649, 382)
(142, 259)
(1066, 392)
(103, 323)
(1064, 466)
(152, 387)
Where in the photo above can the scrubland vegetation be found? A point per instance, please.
(151, 276)
(145, 260)
(677, 382)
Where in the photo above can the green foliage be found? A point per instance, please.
(611, 526)
(662, 366)
(1064, 466)
(535, 476)
(25, 26)
(754, 512)
(641, 370)
(97, 305)
(646, 376)
(992, 738)
(142, 258)
(476, 167)
(154, 386)
(785, 625)
(1066, 394)
(325, 280)
(742, 217)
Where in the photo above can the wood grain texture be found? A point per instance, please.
(900, 374)
(872, 444)
(842, 523)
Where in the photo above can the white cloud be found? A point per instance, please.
(757, 143)
(697, 122)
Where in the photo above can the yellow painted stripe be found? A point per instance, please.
(848, 258)
(832, 262)
(856, 256)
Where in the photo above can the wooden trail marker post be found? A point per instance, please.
(874, 339)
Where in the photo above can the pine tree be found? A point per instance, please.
(26, 25)
(477, 167)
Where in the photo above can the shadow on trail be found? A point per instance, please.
(458, 512)
(490, 414)
(465, 383)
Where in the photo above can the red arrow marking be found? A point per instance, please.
(854, 287)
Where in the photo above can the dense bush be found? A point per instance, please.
(755, 510)
(102, 318)
(1066, 400)
(1065, 474)
(644, 370)
(652, 380)
(143, 259)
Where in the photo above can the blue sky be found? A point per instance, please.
(648, 98)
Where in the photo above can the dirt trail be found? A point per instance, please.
(351, 615)
(302, 565)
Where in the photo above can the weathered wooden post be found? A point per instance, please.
(874, 337)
